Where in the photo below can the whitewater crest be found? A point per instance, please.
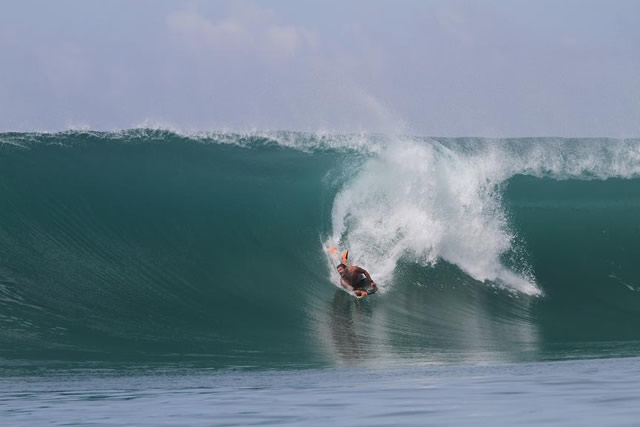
(431, 199)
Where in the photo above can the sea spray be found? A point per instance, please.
(435, 199)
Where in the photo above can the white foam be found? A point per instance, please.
(426, 200)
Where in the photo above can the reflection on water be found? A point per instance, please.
(348, 318)
(432, 321)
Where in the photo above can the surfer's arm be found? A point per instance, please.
(346, 285)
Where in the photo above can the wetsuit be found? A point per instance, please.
(364, 284)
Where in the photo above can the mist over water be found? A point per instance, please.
(156, 246)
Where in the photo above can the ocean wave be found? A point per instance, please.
(154, 242)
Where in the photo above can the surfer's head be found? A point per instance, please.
(342, 269)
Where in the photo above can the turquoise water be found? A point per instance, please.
(138, 259)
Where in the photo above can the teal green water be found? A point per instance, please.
(152, 247)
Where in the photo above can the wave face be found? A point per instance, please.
(153, 245)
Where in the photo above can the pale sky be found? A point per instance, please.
(436, 68)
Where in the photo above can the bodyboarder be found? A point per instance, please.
(356, 280)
